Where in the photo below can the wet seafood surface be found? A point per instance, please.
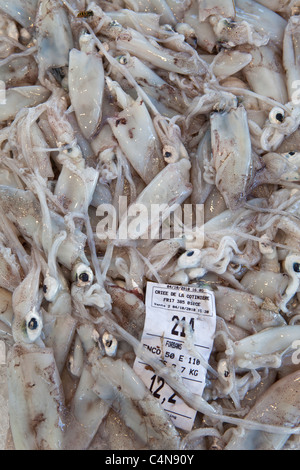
(149, 144)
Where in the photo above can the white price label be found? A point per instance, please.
(179, 329)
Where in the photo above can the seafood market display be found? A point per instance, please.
(150, 166)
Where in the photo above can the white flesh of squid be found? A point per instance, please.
(60, 334)
(224, 8)
(54, 39)
(9, 29)
(22, 97)
(228, 63)
(282, 167)
(139, 20)
(159, 7)
(124, 386)
(75, 187)
(265, 74)
(204, 32)
(59, 325)
(127, 307)
(275, 5)
(158, 56)
(133, 128)
(269, 22)
(245, 310)
(41, 160)
(278, 405)
(35, 399)
(22, 11)
(265, 348)
(250, 103)
(76, 358)
(86, 86)
(265, 284)
(201, 188)
(20, 71)
(157, 88)
(231, 33)
(224, 220)
(291, 52)
(24, 210)
(10, 271)
(88, 411)
(214, 204)
(26, 306)
(6, 310)
(232, 154)
(8, 178)
(124, 389)
(170, 187)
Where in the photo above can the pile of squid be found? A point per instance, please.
(149, 101)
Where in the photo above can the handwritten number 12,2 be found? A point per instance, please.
(157, 383)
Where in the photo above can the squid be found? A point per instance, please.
(156, 113)
(275, 406)
(36, 417)
(136, 44)
(59, 324)
(291, 56)
(23, 208)
(21, 97)
(265, 348)
(27, 322)
(209, 8)
(265, 73)
(232, 154)
(271, 23)
(168, 189)
(22, 11)
(86, 86)
(54, 39)
(136, 135)
(203, 31)
(245, 310)
(10, 270)
(159, 7)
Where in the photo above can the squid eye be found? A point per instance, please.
(114, 23)
(170, 154)
(50, 288)
(168, 27)
(296, 267)
(34, 325)
(223, 370)
(122, 60)
(82, 275)
(110, 344)
(189, 259)
(276, 116)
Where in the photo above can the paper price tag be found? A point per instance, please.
(179, 328)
